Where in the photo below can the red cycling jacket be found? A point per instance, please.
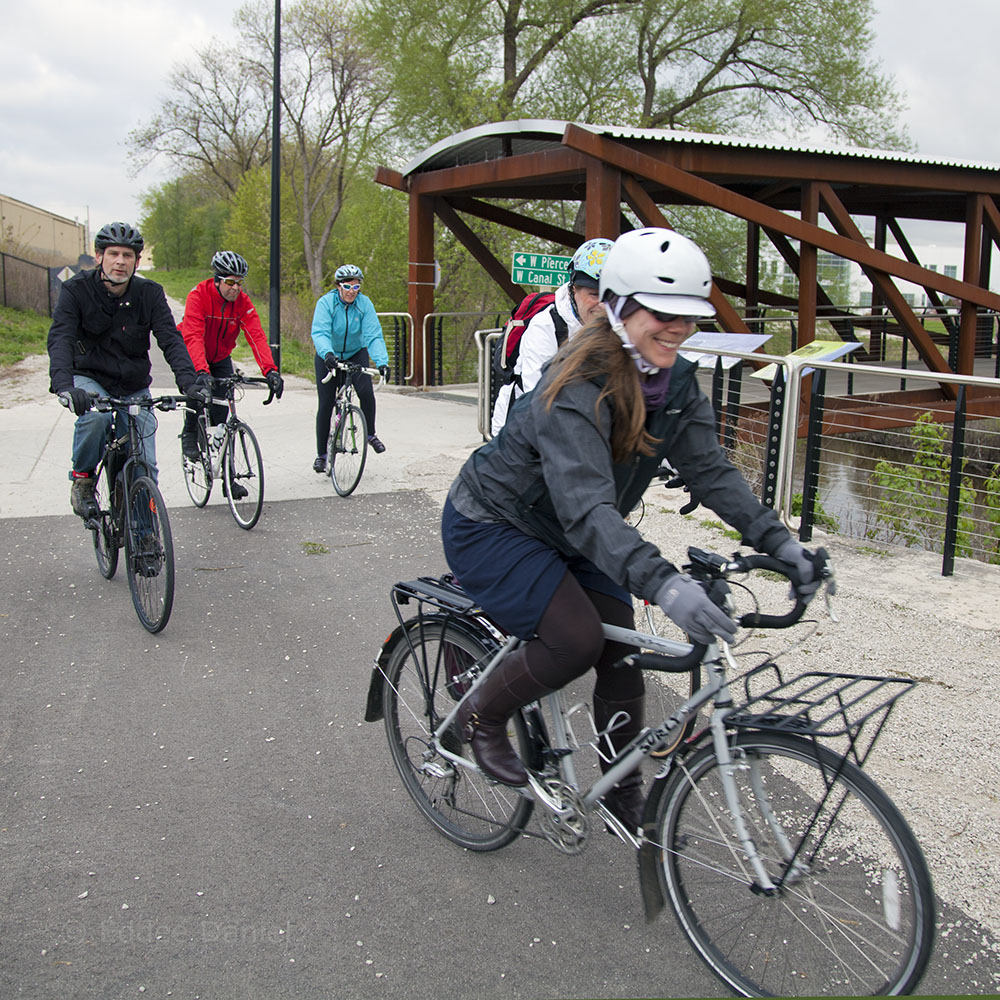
(211, 326)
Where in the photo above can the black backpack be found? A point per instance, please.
(507, 349)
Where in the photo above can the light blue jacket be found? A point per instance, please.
(344, 329)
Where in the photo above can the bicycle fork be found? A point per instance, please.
(728, 768)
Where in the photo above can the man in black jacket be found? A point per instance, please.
(99, 342)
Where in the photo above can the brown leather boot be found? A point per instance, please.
(626, 799)
(482, 720)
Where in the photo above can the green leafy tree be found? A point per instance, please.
(913, 498)
(707, 65)
(183, 223)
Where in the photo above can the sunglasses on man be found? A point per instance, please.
(349, 288)
(232, 281)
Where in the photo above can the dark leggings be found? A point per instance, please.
(223, 368)
(569, 642)
(327, 393)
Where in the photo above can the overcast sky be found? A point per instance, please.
(76, 77)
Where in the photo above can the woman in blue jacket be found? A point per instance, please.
(345, 328)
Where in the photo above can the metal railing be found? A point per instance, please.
(451, 358)
(922, 472)
(400, 343)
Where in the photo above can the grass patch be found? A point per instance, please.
(178, 283)
(721, 528)
(22, 333)
(315, 549)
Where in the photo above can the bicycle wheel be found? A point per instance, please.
(243, 476)
(149, 554)
(198, 472)
(855, 913)
(348, 451)
(420, 690)
(105, 536)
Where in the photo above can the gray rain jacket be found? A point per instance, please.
(549, 473)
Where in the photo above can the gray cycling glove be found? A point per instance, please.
(78, 400)
(685, 603)
(801, 560)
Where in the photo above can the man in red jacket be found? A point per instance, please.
(215, 312)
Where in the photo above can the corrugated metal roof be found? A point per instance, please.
(528, 135)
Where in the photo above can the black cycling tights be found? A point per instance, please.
(569, 642)
(327, 392)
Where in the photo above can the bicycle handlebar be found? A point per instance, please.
(711, 571)
(708, 566)
(230, 381)
(105, 403)
(347, 366)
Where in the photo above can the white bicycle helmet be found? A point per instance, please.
(661, 270)
(585, 267)
(348, 272)
(226, 263)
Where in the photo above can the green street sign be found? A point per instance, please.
(539, 269)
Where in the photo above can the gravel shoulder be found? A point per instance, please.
(938, 757)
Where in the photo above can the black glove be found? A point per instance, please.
(685, 603)
(200, 390)
(802, 561)
(275, 382)
(383, 370)
(330, 361)
(78, 400)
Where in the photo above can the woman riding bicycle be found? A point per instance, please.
(533, 527)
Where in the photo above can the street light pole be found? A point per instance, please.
(274, 311)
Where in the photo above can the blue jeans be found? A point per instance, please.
(92, 430)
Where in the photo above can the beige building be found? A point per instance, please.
(32, 232)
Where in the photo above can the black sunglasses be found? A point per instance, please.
(670, 317)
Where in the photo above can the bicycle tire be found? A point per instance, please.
(104, 534)
(150, 563)
(467, 807)
(198, 473)
(858, 920)
(243, 468)
(348, 450)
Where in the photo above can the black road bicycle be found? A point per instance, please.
(788, 869)
(347, 448)
(228, 451)
(131, 513)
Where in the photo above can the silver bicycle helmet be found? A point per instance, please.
(348, 272)
(118, 234)
(585, 267)
(226, 263)
(661, 270)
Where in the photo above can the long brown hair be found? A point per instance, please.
(597, 351)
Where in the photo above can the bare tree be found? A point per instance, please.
(332, 108)
(216, 121)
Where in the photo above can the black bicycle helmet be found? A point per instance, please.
(226, 263)
(118, 234)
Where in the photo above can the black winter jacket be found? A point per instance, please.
(549, 473)
(107, 338)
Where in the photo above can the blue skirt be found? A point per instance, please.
(511, 575)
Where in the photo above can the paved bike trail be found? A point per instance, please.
(203, 813)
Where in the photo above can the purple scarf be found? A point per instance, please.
(655, 389)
